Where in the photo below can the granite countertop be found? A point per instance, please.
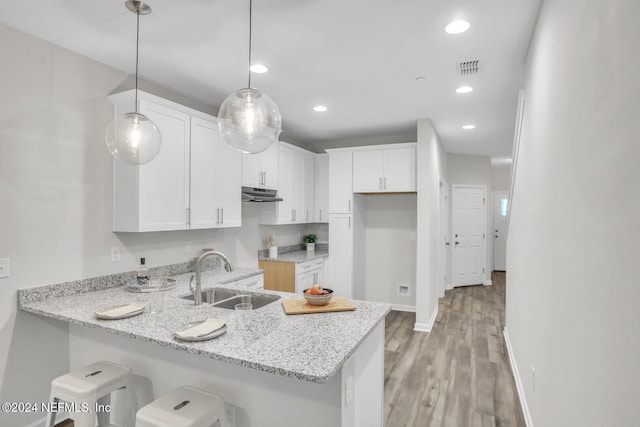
(310, 347)
(298, 256)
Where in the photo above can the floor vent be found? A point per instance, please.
(468, 68)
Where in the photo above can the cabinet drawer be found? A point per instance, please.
(252, 283)
(303, 267)
(318, 263)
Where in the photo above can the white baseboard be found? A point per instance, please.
(516, 376)
(488, 283)
(426, 327)
(399, 307)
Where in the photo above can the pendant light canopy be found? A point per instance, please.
(134, 138)
(248, 119)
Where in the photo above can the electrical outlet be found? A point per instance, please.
(404, 290)
(188, 246)
(4, 268)
(115, 254)
(533, 378)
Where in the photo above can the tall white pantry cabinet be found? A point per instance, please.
(194, 182)
(354, 172)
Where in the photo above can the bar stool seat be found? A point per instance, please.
(88, 390)
(185, 406)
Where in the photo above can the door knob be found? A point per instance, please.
(457, 243)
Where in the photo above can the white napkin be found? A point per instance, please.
(204, 328)
(121, 311)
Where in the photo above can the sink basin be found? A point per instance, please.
(227, 298)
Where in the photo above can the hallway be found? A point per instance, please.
(458, 375)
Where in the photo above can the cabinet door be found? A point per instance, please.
(321, 183)
(309, 187)
(229, 206)
(400, 169)
(341, 257)
(340, 182)
(163, 183)
(368, 171)
(251, 172)
(296, 183)
(305, 280)
(269, 166)
(204, 174)
(286, 206)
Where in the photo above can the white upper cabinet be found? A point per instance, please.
(340, 181)
(380, 170)
(295, 187)
(181, 188)
(215, 179)
(261, 170)
(321, 193)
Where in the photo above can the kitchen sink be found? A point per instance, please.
(228, 298)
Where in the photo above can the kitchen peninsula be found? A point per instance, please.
(318, 369)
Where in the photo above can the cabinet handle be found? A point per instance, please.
(320, 217)
(307, 215)
(293, 214)
(217, 215)
(380, 183)
(349, 205)
(221, 215)
(349, 223)
(188, 215)
(385, 182)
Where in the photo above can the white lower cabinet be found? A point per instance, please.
(309, 273)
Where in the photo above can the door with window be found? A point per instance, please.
(500, 210)
(468, 225)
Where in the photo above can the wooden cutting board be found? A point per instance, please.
(300, 306)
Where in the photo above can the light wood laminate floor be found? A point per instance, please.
(457, 375)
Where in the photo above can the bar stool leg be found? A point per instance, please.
(51, 416)
(104, 417)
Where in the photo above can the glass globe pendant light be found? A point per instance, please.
(248, 119)
(133, 137)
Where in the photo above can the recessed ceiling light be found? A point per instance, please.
(456, 27)
(468, 127)
(464, 89)
(320, 108)
(258, 68)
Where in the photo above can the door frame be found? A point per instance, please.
(485, 249)
(444, 245)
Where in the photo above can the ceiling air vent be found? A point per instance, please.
(468, 68)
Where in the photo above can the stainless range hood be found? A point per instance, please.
(250, 194)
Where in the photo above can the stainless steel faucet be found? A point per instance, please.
(197, 290)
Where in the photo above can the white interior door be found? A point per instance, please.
(469, 234)
(443, 239)
(500, 210)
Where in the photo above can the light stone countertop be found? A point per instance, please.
(298, 256)
(311, 347)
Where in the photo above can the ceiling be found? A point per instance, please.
(360, 58)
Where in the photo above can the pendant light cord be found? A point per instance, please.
(250, 9)
(137, 44)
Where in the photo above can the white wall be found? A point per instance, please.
(55, 210)
(500, 177)
(573, 282)
(390, 252)
(474, 170)
(431, 165)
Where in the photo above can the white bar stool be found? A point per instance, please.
(183, 407)
(89, 388)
